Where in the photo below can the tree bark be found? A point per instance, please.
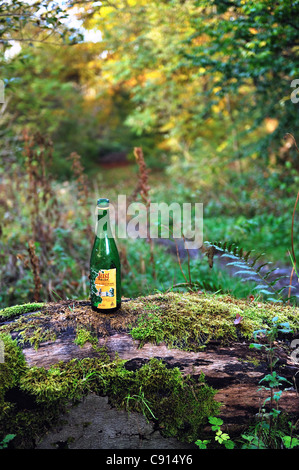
(234, 370)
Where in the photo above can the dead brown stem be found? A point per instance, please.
(292, 229)
(292, 247)
(35, 270)
(143, 189)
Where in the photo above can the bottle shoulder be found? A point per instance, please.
(104, 240)
(104, 256)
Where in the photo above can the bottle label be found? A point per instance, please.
(105, 287)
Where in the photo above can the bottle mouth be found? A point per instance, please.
(103, 203)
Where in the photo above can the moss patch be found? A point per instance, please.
(180, 405)
(74, 317)
(189, 321)
(11, 369)
(84, 336)
(31, 329)
(17, 310)
(182, 320)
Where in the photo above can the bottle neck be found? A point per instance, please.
(103, 227)
(102, 213)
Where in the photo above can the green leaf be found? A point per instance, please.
(261, 266)
(215, 421)
(202, 444)
(255, 259)
(229, 444)
(256, 346)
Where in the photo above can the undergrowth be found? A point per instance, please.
(250, 269)
(46, 240)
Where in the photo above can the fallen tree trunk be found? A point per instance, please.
(231, 367)
(232, 371)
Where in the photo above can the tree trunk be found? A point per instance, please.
(233, 370)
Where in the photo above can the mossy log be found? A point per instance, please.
(197, 334)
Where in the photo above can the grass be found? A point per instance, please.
(46, 242)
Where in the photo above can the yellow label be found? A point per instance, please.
(105, 283)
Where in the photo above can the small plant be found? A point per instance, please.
(143, 189)
(6, 440)
(290, 441)
(268, 433)
(270, 430)
(273, 379)
(220, 436)
(142, 403)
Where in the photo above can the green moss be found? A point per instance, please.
(17, 310)
(84, 336)
(29, 330)
(35, 336)
(189, 321)
(19, 411)
(11, 369)
(180, 405)
(251, 360)
(183, 320)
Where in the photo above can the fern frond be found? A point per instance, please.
(248, 267)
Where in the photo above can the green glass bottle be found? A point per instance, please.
(105, 275)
